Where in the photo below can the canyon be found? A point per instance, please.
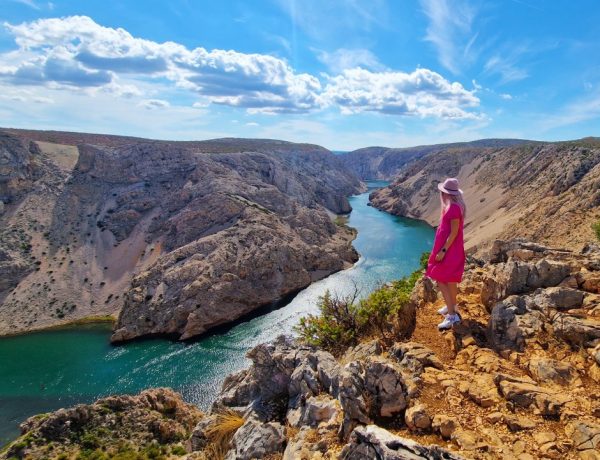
(172, 238)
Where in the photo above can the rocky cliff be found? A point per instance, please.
(386, 163)
(548, 192)
(519, 378)
(175, 237)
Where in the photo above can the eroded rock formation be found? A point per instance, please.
(177, 237)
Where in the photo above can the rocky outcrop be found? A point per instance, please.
(375, 442)
(177, 237)
(510, 191)
(505, 383)
(134, 425)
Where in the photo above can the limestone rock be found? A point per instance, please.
(314, 411)
(352, 398)
(363, 351)
(415, 356)
(585, 434)
(256, 440)
(550, 370)
(445, 425)
(386, 388)
(524, 393)
(301, 448)
(559, 298)
(576, 331)
(519, 423)
(417, 418)
(371, 442)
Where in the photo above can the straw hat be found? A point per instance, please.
(450, 186)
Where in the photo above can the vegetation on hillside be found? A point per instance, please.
(344, 321)
(596, 228)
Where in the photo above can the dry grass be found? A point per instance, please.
(220, 433)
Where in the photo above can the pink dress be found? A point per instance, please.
(450, 269)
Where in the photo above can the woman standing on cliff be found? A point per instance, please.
(447, 260)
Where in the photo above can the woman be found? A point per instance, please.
(447, 260)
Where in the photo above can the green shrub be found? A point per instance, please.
(178, 450)
(596, 228)
(342, 321)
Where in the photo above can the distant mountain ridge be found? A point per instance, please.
(385, 162)
(548, 192)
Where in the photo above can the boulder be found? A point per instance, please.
(373, 442)
(576, 331)
(519, 423)
(526, 394)
(283, 375)
(558, 298)
(384, 385)
(589, 281)
(370, 390)
(316, 410)
(546, 273)
(585, 434)
(550, 370)
(483, 392)
(503, 327)
(352, 398)
(445, 425)
(303, 447)
(256, 440)
(417, 418)
(415, 357)
(363, 351)
(514, 277)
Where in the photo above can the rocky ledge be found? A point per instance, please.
(518, 378)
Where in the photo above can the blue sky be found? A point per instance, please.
(341, 73)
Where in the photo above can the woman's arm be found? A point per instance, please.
(454, 226)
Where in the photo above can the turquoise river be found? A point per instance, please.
(43, 371)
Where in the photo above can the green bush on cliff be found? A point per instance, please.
(596, 228)
(344, 321)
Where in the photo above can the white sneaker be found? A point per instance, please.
(449, 320)
(444, 310)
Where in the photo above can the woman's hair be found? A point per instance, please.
(446, 200)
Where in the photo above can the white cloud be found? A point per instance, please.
(506, 96)
(343, 58)
(421, 93)
(152, 104)
(252, 123)
(506, 67)
(77, 54)
(43, 100)
(450, 32)
(75, 51)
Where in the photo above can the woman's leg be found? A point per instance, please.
(453, 292)
(443, 287)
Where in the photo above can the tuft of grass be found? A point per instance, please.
(596, 228)
(226, 423)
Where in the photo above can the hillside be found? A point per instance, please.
(385, 163)
(547, 192)
(174, 237)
